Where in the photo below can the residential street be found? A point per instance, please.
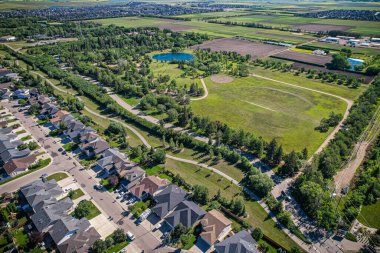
(145, 240)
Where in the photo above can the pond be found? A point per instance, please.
(354, 62)
(173, 57)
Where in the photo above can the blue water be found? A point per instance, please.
(173, 57)
(354, 62)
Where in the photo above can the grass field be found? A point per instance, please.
(370, 216)
(57, 176)
(257, 217)
(270, 110)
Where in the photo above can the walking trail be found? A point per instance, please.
(204, 88)
(303, 245)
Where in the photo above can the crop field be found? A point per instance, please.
(214, 30)
(243, 47)
(302, 57)
(308, 24)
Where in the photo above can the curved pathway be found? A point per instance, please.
(300, 243)
(204, 88)
(337, 128)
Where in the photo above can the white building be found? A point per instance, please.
(8, 38)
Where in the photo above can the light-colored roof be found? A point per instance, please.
(19, 163)
(148, 185)
(213, 224)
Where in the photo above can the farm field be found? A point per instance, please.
(270, 110)
(308, 24)
(243, 47)
(306, 58)
(214, 30)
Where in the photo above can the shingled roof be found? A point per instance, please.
(168, 199)
(186, 213)
(241, 242)
(213, 224)
(148, 185)
(80, 242)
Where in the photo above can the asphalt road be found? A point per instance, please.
(145, 240)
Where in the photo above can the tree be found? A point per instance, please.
(115, 128)
(159, 156)
(200, 194)
(178, 231)
(119, 236)
(33, 145)
(277, 158)
(172, 115)
(261, 184)
(99, 246)
(339, 62)
(109, 242)
(113, 180)
(83, 209)
(295, 249)
(305, 153)
(34, 109)
(257, 234)
(237, 206)
(291, 165)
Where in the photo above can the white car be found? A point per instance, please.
(130, 235)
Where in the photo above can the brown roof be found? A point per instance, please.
(79, 242)
(149, 185)
(19, 163)
(58, 116)
(213, 224)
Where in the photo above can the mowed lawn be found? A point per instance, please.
(370, 215)
(270, 110)
(257, 217)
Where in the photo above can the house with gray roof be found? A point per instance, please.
(241, 242)
(39, 191)
(7, 145)
(80, 242)
(13, 154)
(49, 211)
(66, 227)
(95, 147)
(73, 129)
(186, 213)
(112, 159)
(5, 131)
(167, 200)
(132, 175)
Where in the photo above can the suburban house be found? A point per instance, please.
(132, 175)
(49, 109)
(241, 242)
(80, 242)
(95, 147)
(8, 38)
(19, 165)
(167, 200)
(88, 137)
(67, 226)
(10, 154)
(73, 129)
(38, 191)
(215, 227)
(21, 94)
(148, 186)
(61, 115)
(51, 218)
(43, 99)
(186, 213)
(48, 212)
(5, 93)
(111, 161)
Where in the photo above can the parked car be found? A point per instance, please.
(44, 175)
(98, 187)
(60, 149)
(130, 235)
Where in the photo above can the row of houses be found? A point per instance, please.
(13, 160)
(173, 207)
(49, 215)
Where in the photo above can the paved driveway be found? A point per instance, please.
(145, 240)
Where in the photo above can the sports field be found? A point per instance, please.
(270, 110)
